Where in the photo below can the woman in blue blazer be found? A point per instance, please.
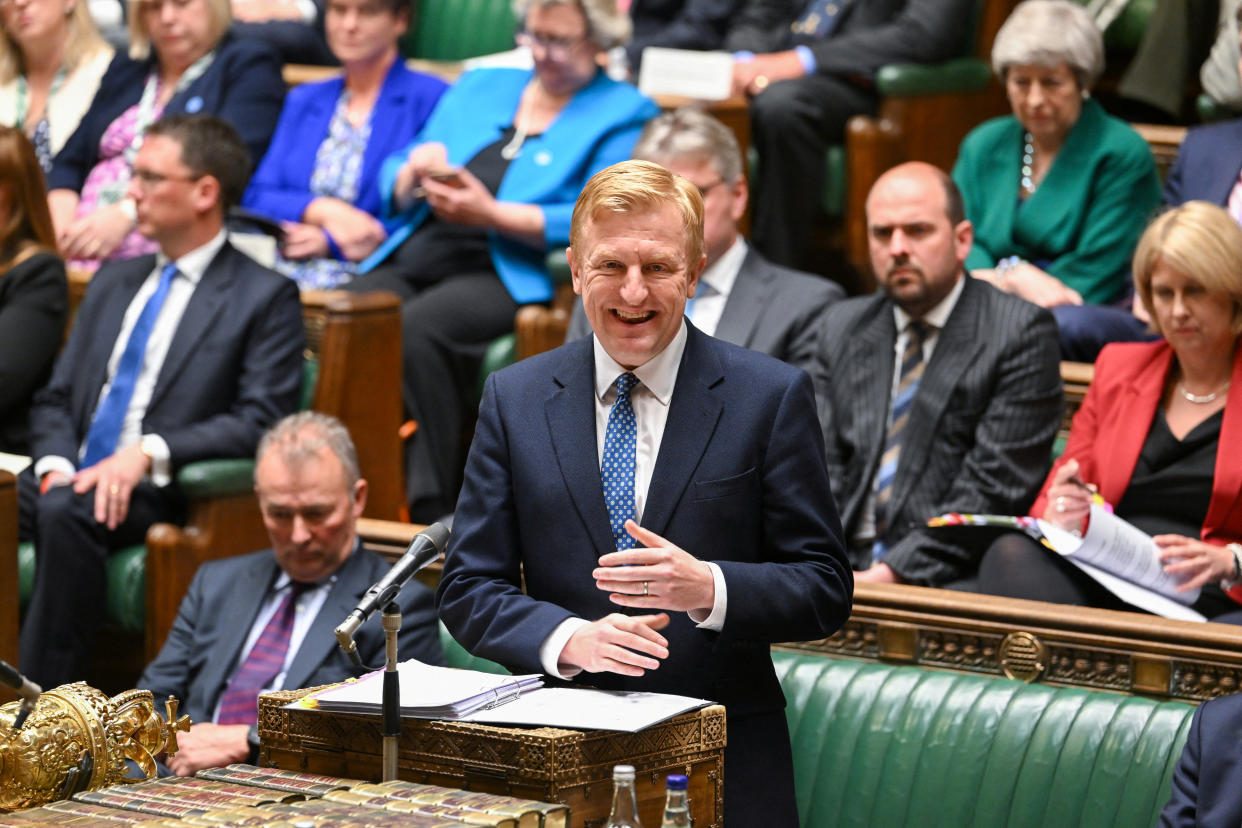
(181, 60)
(321, 176)
(483, 193)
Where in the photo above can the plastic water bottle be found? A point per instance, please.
(624, 799)
(676, 806)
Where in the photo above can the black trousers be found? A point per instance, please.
(446, 328)
(69, 599)
(759, 774)
(792, 125)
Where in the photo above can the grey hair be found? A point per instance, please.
(1049, 32)
(606, 26)
(299, 436)
(689, 132)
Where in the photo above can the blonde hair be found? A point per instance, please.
(82, 43)
(1046, 33)
(221, 12)
(631, 186)
(1199, 240)
(606, 26)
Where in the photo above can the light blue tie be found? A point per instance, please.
(110, 415)
(617, 469)
(907, 386)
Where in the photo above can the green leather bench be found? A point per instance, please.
(886, 746)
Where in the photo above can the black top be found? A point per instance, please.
(439, 249)
(34, 303)
(1171, 487)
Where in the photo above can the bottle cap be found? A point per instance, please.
(623, 773)
(677, 782)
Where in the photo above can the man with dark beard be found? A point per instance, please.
(937, 394)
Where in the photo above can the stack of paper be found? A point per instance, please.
(428, 692)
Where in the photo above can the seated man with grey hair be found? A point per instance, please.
(264, 621)
(742, 298)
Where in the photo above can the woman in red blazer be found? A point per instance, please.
(1159, 434)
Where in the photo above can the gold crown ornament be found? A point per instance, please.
(79, 739)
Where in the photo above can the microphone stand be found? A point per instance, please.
(391, 705)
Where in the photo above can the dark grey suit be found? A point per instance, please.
(771, 309)
(981, 425)
(218, 610)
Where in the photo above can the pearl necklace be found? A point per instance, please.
(1028, 165)
(1201, 399)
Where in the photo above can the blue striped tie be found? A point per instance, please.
(109, 418)
(617, 467)
(907, 386)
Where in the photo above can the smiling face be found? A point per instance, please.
(363, 31)
(634, 275)
(1190, 316)
(309, 510)
(916, 251)
(1047, 100)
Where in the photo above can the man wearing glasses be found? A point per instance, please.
(182, 356)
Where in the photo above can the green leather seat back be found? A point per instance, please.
(459, 29)
(25, 573)
(501, 353)
(885, 746)
(455, 655)
(127, 588)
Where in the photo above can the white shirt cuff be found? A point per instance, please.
(714, 620)
(153, 446)
(308, 10)
(53, 463)
(550, 649)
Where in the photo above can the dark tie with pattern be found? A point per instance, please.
(617, 467)
(899, 414)
(265, 661)
(817, 21)
(109, 418)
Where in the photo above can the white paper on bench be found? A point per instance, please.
(581, 708)
(428, 692)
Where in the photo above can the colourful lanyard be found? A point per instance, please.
(23, 96)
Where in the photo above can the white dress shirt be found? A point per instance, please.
(190, 270)
(937, 317)
(309, 603)
(650, 400)
(715, 285)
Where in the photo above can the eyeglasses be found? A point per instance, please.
(557, 48)
(148, 179)
(704, 189)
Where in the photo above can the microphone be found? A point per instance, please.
(28, 690)
(425, 548)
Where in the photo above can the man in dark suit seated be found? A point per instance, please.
(741, 297)
(937, 394)
(1209, 772)
(677, 24)
(264, 621)
(661, 493)
(173, 358)
(807, 88)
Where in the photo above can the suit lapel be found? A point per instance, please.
(1225, 167)
(692, 416)
(239, 611)
(1227, 477)
(351, 583)
(746, 303)
(1139, 400)
(571, 425)
(955, 350)
(869, 366)
(209, 300)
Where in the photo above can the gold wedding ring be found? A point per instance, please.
(760, 83)
(114, 489)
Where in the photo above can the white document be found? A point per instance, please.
(581, 708)
(1125, 561)
(428, 692)
(705, 76)
(14, 463)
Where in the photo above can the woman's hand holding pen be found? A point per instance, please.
(1069, 499)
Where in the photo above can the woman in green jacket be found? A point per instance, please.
(1058, 192)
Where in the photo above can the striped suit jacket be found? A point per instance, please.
(981, 424)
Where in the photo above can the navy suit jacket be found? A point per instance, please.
(280, 187)
(243, 86)
(233, 369)
(1207, 165)
(218, 610)
(1208, 776)
(771, 309)
(739, 480)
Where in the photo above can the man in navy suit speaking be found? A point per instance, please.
(662, 494)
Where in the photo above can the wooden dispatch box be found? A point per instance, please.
(546, 763)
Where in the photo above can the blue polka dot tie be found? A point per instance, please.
(617, 468)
